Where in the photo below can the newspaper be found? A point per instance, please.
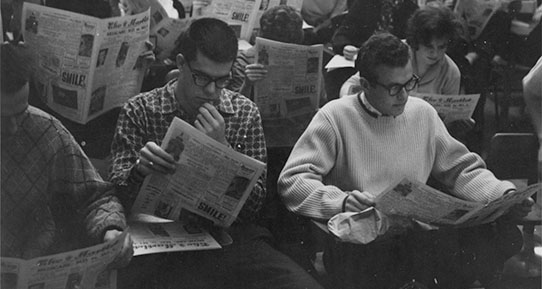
(156, 235)
(451, 107)
(83, 268)
(239, 14)
(423, 203)
(211, 180)
(338, 61)
(476, 14)
(85, 66)
(294, 80)
(165, 23)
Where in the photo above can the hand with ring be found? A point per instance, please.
(153, 159)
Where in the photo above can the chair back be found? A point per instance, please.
(513, 156)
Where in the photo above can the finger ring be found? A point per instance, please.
(151, 164)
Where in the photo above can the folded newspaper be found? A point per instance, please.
(83, 268)
(451, 107)
(211, 179)
(85, 66)
(151, 234)
(423, 203)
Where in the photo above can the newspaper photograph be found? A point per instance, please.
(83, 268)
(239, 14)
(211, 179)
(475, 15)
(421, 202)
(451, 107)
(85, 66)
(152, 235)
(293, 83)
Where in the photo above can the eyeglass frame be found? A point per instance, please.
(197, 75)
(401, 86)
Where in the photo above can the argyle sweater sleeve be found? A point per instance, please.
(79, 191)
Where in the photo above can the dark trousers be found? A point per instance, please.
(250, 262)
(445, 258)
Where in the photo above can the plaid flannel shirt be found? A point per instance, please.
(147, 116)
(53, 199)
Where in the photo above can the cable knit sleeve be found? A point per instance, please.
(463, 172)
(301, 184)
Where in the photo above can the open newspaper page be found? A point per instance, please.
(239, 14)
(293, 82)
(84, 65)
(118, 68)
(423, 203)
(476, 14)
(290, 94)
(152, 235)
(451, 107)
(211, 180)
(165, 23)
(83, 268)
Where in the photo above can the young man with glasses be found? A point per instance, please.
(204, 57)
(357, 146)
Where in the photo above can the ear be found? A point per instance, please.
(364, 83)
(180, 61)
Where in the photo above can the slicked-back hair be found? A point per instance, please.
(282, 23)
(381, 49)
(210, 36)
(16, 66)
(432, 22)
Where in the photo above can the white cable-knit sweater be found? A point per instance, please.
(345, 149)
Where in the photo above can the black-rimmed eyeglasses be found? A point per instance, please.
(395, 89)
(202, 80)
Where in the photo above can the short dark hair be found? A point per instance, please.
(282, 23)
(210, 36)
(16, 66)
(381, 49)
(432, 22)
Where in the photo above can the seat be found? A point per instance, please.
(505, 88)
(513, 156)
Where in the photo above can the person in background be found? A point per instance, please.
(429, 32)
(204, 58)
(94, 136)
(359, 145)
(364, 18)
(532, 94)
(53, 200)
(280, 23)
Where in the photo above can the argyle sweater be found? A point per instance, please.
(53, 199)
(345, 148)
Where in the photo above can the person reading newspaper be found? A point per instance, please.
(280, 23)
(53, 200)
(532, 94)
(428, 33)
(204, 57)
(359, 145)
